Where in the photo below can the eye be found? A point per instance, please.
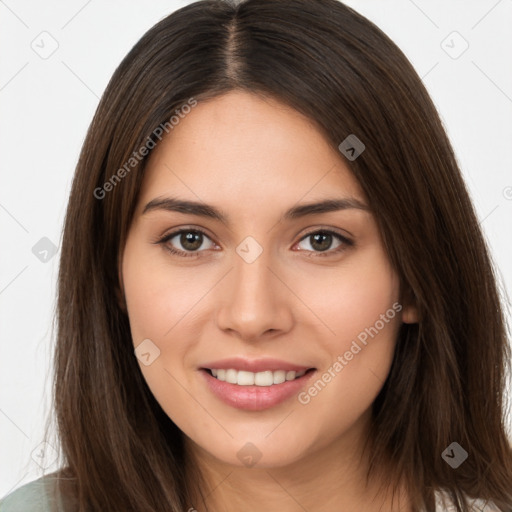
(321, 241)
(191, 241)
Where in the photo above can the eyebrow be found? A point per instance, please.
(172, 204)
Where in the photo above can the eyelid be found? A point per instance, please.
(330, 230)
(178, 231)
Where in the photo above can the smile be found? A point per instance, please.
(264, 378)
(255, 391)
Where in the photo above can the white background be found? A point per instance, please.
(47, 105)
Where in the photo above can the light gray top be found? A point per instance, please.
(37, 496)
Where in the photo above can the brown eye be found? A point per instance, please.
(321, 241)
(189, 241)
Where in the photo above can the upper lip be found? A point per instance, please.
(254, 365)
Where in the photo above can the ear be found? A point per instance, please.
(410, 309)
(410, 314)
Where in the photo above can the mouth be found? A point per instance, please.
(264, 378)
(255, 391)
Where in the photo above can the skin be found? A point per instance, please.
(254, 158)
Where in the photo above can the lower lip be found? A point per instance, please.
(255, 398)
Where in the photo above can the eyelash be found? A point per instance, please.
(345, 243)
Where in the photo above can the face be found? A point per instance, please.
(251, 285)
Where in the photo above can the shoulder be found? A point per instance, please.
(41, 495)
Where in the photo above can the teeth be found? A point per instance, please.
(279, 376)
(241, 378)
(231, 376)
(266, 378)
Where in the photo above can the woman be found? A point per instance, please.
(274, 292)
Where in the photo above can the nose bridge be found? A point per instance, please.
(251, 273)
(252, 304)
(252, 282)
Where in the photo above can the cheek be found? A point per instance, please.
(163, 302)
(360, 308)
(353, 298)
(158, 301)
(157, 296)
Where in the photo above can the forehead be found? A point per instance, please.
(249, 151)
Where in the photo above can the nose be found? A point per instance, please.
(255, 301)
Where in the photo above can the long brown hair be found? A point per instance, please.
(120, 450)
